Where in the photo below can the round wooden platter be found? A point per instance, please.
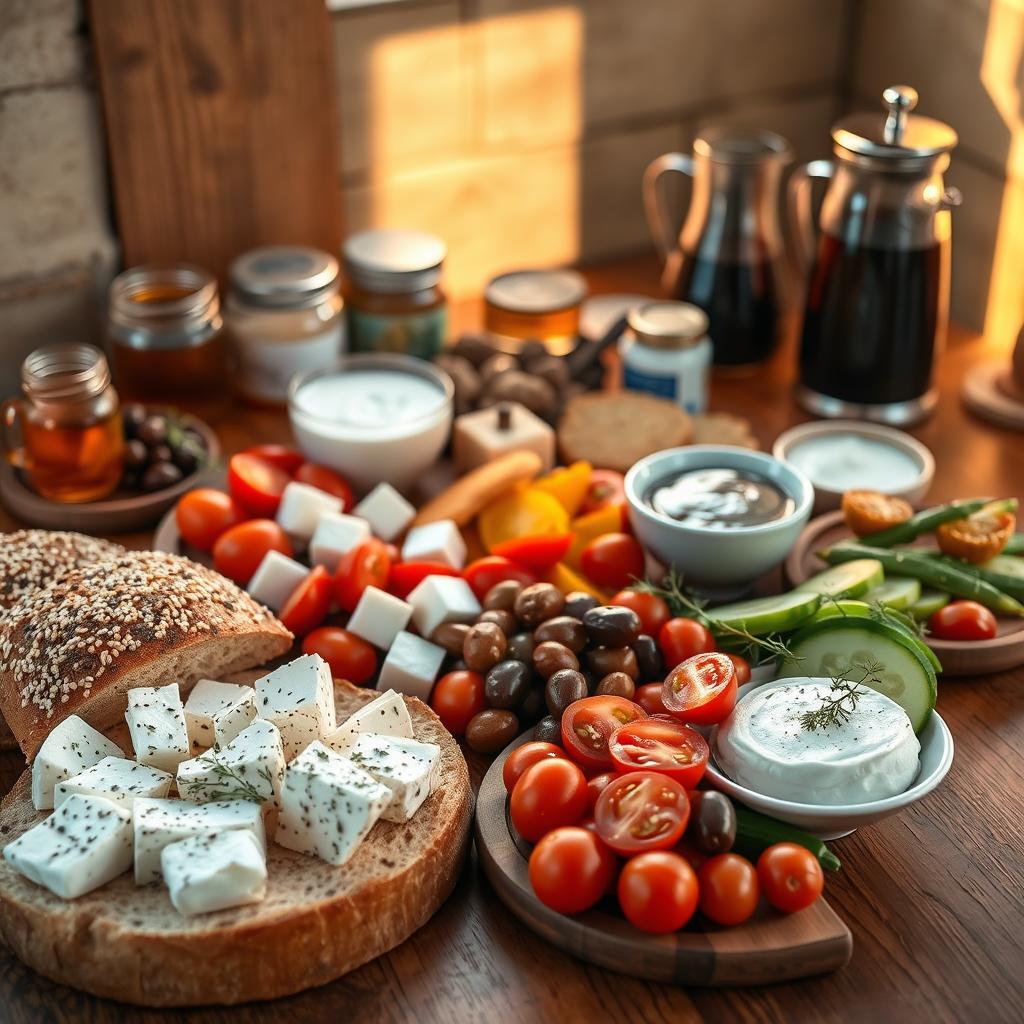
(317, 922)
(770, 947)
(958, 657)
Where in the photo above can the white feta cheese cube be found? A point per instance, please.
(435, 542)
(213, 872)
(72, 746)
(386, 715)
(161, 822)
(379, 617)
(117, 779)
(442, 599)
(404, 766)
(411, 666)
(299, 699)
(301, 508)
(250, 767)
(275, 578)
(156, 721)
(328, 805)
(387, 512)
(336, 534)
(208, 701)
(84, 844)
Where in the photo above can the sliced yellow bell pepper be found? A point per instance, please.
(568, 580)
(592, 525)
(568, 485)
(521, 514)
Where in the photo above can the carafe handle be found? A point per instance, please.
(800, 215)
(654, 206)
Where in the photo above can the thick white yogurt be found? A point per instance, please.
(763, 747)
(842, 462)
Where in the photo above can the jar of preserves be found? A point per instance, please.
(534, 304)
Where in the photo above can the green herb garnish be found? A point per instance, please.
(844, 694)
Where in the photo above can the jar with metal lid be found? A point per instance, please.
(166, 335)
(284, 316)
(534, 304)
(393, 296)
(667, 352)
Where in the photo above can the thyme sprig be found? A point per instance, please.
(838, 706)
(229, 783)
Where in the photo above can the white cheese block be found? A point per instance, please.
(411, 666)
(208, 700)
(442, 599)
(379, 617)
(117, 779)
(275, 578)
(161, 822)
(156, 721)
(299, 699)
(328, 805)
(336, 534)
(214, 872)
(387, 512)
(404, 766)
(250, 767)
(440, 541)
(84, 844)
(386, 715)
(72, 746)
(301, 508)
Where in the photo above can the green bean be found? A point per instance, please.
(1015, 545)
(926, 521)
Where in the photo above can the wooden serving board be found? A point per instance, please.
(958, 657)
(770, 947)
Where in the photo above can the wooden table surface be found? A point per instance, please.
(934, 897)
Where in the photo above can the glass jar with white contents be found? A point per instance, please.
(284, 314)
(667, 352)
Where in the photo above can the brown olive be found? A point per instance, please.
(563, 629)
(549, 730)
(465, 379)
(136, 454)
(563, 688)
(504, 620)
(161, 453)
(188, 456)
(451, 636)
(520, 647)
(484, 646)
(490, 730)
(503, 595)
(496, 365)
(712, 825)
(153, 429)
(549, 657)
(612, 625)
(578, 603)
(617, 684)
(603, 660)
(514, 386)
(538, 602)
(552, 369)
(531, 350)
(533, 706)
(506, 684)
(160, 475)
(475, 348)
(648, 659)
(133, 416)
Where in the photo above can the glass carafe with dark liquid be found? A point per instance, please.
(730, 257)
(878, 274)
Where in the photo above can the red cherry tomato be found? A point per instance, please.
(324, 479)
(681, 638)
(536, 552)
(587, 725)
(742, 667)
(525, 757)
(642, 811)
(613, 560)
(596, 785)
(702, 690)
(571, 869)
(280, 455)
(308, 604)
(648, 697)
(607, 487)
(204, 514)
(239, 550)
(660, 744)
(485, 572)
(366, 565)
(963, 620)
(791, 877)
(256, 485)
(349, 656)
(658, 892)
(456, 698)
(548, 795)
(728, 888)
(652, 610)
(405, 577)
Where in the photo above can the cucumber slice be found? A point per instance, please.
(849, 579)
(832, 609)
(928, 604)
(898, 592)
(765, 615)
(827, 648)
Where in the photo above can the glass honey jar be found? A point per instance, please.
(71, 438)
(534, 304)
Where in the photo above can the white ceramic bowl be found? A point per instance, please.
(840, 820)
(708, 557)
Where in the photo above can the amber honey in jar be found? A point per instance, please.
(71, 439)
(534, 304)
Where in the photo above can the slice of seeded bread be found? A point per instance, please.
(127, 942)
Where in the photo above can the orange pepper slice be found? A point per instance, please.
(522, 513)
(568, 485)
(567, 580)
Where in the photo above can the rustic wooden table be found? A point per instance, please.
(934, 897)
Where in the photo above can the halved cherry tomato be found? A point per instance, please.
(525, 757)
(537, 552)
(978, 537)
(204, 514)
(660, 744)
(868, 512)
(658, 892)
(456, 698)
(728, 888)
(239, 550)
(648, 697)
(587, 725)
(613, 561)
(596, 785)
(571, 869)
(653, 610)
(642, 811)
(742, 667)
(681, 638)
(963, 620)
(349, 656)
(607, 487)
(791, 877)
(548, 795)
(255, 484)
(280, 455)
(308, 604)
(325, 479)
(366, 565)
(702, 690)
(405, 577)
(482, 574)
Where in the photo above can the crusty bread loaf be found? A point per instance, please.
(127, 942)
(78, 644)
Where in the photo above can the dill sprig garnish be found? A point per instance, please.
(838, 706)
(229, 783)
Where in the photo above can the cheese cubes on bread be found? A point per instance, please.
(117, 779)
(156, 721)
(299, 699)
(213, 872)
(72, 746)
(217, 712)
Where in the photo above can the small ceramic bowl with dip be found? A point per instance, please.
(842, 455)
(373, 418)
(722, 516)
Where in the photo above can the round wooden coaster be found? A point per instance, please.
(987, 394)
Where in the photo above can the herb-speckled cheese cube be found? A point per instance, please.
(72, 746)
(214, 872)
(405, 766)
(117, 779)
(214, 703)
(411, 666)
(156, 721)
(386, 715)
(299, 699)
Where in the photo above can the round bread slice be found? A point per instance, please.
(317, 922)
(145, 618)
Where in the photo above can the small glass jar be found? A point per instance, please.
(534, 304)
(667, 353)
(284, 316)
(393, 297)
(166, 336)
(71, 438)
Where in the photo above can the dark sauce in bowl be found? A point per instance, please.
(719, 499)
